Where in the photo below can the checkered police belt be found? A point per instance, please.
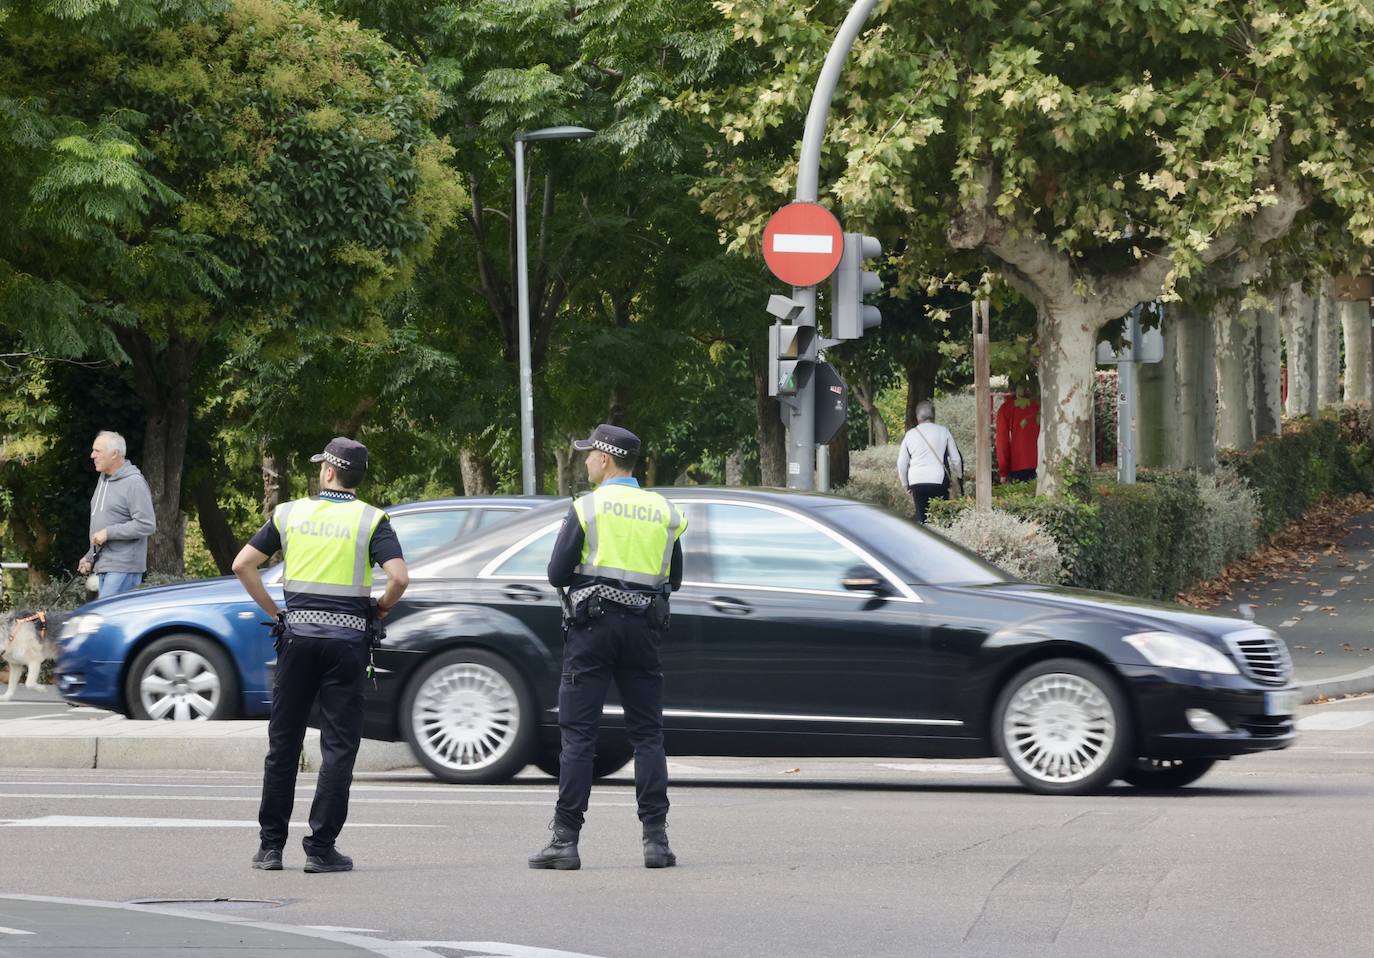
(338, 619)
(635, 600)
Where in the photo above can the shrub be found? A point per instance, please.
(1019, 546)
(1229, 520)
(873, 479)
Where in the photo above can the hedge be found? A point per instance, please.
(1173, 529)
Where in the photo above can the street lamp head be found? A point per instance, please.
(555, 133)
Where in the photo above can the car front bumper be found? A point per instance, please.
(1258, 718)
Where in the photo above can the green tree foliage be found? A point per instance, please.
(1097, 152)
(263, 171)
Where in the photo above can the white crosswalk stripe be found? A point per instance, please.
(1334, 721)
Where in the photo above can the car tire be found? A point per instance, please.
(1165, 774)
(182, 678)
(1063, 726)
(469, 717)
(609, 760)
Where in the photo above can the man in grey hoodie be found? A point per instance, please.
(121, 519)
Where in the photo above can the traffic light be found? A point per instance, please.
(791, 358)
(852, 283)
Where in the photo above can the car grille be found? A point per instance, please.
(1262, 656)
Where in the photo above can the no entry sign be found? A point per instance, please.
(802, 244)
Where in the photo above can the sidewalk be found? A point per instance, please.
(1323, 608)
(117, 742)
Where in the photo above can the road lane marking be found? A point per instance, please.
(377, 946)
(945, 768)
(1334, 721)
(546, 790)
(114, 797)
(498, 949)
(98, 821)
(371, 931)
(13, 931)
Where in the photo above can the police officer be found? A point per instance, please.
(330, 543)
(618, 555)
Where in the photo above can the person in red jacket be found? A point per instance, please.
(1018, 436)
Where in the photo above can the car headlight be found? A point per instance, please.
(1171, 651)
(77, 628)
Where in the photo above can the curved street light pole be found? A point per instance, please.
(523, 293)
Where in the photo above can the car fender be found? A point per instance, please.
(429, 631)
(1017, 646)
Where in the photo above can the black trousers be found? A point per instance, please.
(332, 670)
(622, 646)
(922, 493)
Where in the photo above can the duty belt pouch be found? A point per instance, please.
(658, 612)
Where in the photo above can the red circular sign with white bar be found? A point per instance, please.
(802, 244)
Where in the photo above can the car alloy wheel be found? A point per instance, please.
(1063, 727)
(182, 678)
(181, 686)
(467, 719)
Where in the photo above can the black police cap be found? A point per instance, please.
(610, 439)
(343, 453)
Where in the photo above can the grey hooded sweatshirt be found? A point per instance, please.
(123, 504)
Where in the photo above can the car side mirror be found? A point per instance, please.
(862, 578)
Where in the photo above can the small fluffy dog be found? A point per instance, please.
(30, 639)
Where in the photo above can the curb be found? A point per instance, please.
(1352, 684)
(119, 743)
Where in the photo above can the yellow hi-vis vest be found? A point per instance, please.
(325, 544)
(628, 535)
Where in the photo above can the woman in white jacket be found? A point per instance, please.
(921, 461)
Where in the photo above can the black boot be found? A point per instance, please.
(560, 853)
(327, 860)
(657, 854)
(267, 859)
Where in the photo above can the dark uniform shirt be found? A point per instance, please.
(383, 547)
(567, 555)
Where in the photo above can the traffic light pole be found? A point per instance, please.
(801, 419)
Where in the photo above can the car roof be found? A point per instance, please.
(472, 502)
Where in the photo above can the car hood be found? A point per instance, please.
(201, 592)
(1132, 613)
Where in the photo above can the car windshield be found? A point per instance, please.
(921, 555)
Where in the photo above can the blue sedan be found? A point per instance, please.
(199, 650)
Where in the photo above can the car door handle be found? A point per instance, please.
(731, 606)
(523, 593)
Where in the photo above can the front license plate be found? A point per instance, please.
(1281, 703)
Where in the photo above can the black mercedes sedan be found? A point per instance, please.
(810, 625)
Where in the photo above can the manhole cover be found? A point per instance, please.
(213, 904)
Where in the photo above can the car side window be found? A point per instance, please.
(760, 547)
(532, 560)
(490, 517)
(424, 532)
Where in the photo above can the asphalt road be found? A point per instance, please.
(1267, 855)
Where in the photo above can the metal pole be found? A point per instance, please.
(982, 393)
(801, 418)
(1127, 400)
(523, 287)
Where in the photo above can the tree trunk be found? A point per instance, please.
(1196, 371)
(1358, 372)
(920, 381)
(1157, 418)
(839, 459)
(1234, 376)
(1068, 341)
(1299, 336)
(1328, 345)
(862, 390)
(475, 471)
(734, 468)
(274, 482)
(619, 402)
(771, 436)
(563, 459)
(163, 380)
(1268, 387)
(219, 538)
